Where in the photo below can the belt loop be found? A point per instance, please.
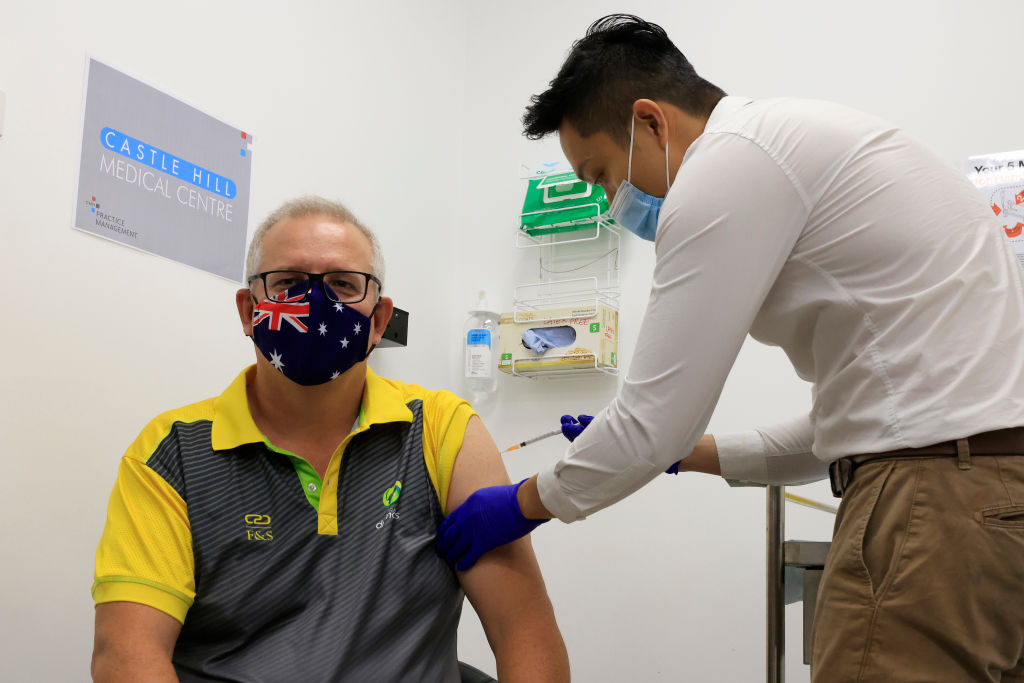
(839, 473)
(963, 454)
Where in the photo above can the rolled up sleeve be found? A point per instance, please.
(777, 454)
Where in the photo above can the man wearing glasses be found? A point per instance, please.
(285, 530)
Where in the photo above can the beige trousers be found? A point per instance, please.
(925, 579)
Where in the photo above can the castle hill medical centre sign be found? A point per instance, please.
(162, 176)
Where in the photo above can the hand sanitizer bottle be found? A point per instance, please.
(480, 337)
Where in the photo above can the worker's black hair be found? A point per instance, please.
(621, 59)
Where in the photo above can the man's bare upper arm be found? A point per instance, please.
(507, 579)
(505, 586)
(133, 640)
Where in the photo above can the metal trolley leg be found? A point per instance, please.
(806, 560)
(776, 609)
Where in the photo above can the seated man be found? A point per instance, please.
(284, 531)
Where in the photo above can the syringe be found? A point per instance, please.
(553, 432)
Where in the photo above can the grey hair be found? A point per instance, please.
(311, 205)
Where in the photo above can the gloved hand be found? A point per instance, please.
(571, 427)
(489, 518)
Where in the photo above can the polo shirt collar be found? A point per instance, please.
(382, 402)
(233, 425)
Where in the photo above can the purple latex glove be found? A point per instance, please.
(489, 518)
(573, 427)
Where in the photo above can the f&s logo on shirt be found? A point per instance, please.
(257, 528)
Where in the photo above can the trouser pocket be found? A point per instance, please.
(1005, 516)
(888, 522)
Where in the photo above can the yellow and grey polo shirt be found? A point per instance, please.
(277, 574)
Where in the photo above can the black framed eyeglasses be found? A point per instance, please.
(340, 286)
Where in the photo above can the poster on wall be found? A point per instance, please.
(161, 176)
(1000, 178)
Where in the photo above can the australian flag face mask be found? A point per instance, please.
(307, 337)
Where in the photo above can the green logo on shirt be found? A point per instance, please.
(391, 495)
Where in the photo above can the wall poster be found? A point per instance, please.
(161, 176)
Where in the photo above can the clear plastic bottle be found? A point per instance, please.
(480, 339)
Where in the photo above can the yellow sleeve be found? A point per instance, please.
(145, 553)
(445, 417)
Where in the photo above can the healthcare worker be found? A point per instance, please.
(886, 279)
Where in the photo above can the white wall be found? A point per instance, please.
(409, 112)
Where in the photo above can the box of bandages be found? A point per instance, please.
(558, 339)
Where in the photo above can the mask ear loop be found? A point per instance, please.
(254, 303)
(372, 312)
(668, 184)
(629, 168)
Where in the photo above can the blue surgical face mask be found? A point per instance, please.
(634, 210)
(308, 337)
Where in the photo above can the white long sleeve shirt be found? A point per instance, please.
(878, 269)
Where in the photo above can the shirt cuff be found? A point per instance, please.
(150, 593)
(742, 458)
(554, 499)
